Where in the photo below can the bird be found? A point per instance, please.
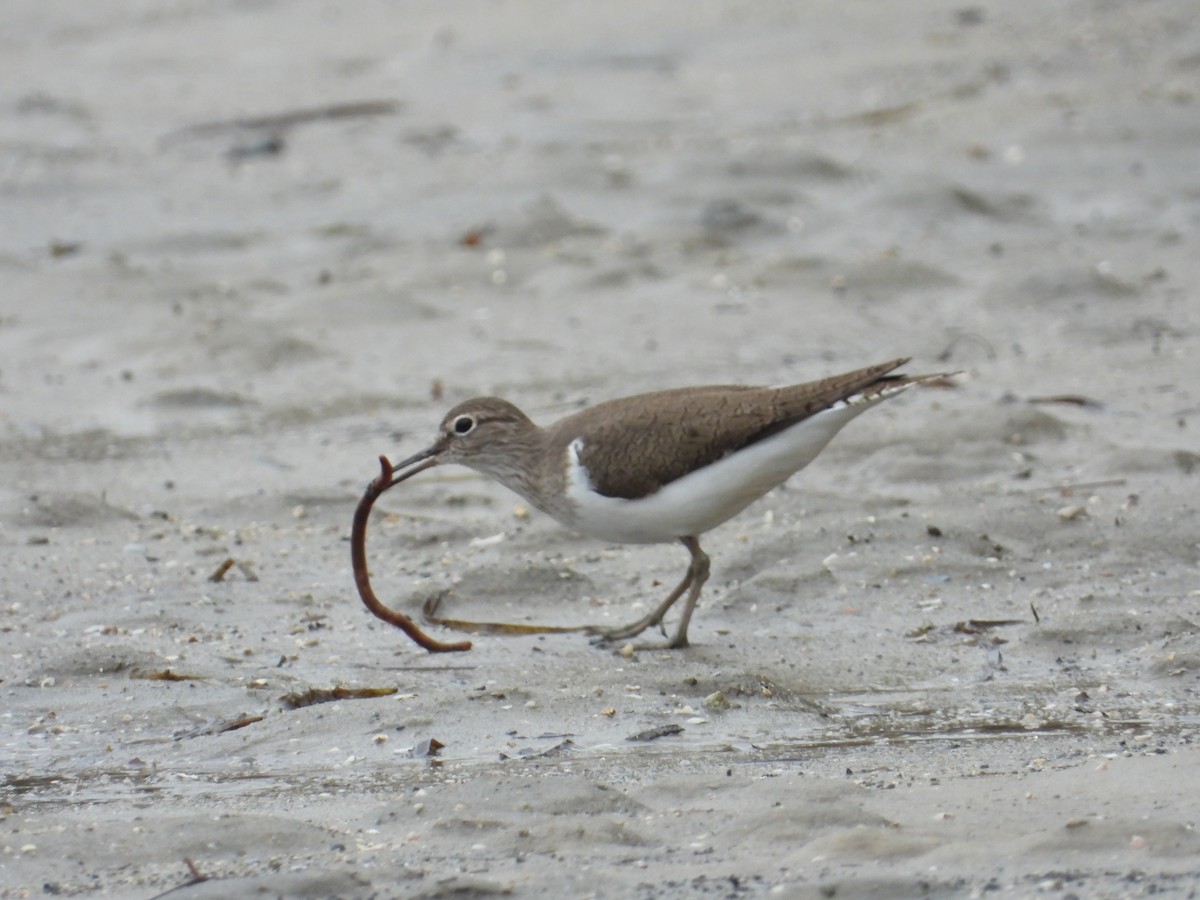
(666, 466)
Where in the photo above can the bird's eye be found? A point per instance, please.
(463, 424)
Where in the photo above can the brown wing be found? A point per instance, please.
(636, 445)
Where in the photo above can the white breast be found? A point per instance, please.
(702, 500)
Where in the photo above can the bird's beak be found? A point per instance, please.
(418, 462)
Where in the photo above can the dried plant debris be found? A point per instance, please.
(1086, 487)
(943, 382)
(653, 734)
(562, 748)
(281, 122)
(222, 570)
(1068, 400)
(974, 627)
(198, 877)
(432, 605)
(220, 726)
(977, 626)
(313, 696)
(428, 748)
(164, 675)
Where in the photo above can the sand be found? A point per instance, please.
(247, 247)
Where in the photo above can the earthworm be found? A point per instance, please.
(358, 555)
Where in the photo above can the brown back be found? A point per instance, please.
(639, 444)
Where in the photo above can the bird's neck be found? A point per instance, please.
(521, 467)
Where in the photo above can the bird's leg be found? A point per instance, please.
(695, 577)
(633, 629)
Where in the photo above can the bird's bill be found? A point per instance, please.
(418, 462)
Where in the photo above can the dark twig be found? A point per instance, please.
(358, 554)
(219, 574)
(197, 875)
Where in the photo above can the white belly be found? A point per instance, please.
(702, 500)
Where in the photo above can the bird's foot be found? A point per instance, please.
(602, 635)
(675, 642)
(605, 637)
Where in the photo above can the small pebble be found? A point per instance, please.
(716, 700)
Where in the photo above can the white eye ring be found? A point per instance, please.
(464, 424)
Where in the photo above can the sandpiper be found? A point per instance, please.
(659, 467)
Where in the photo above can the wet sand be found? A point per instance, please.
(247, 247)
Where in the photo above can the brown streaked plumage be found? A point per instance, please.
(659, 467)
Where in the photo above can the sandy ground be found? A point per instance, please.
(243, 246)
